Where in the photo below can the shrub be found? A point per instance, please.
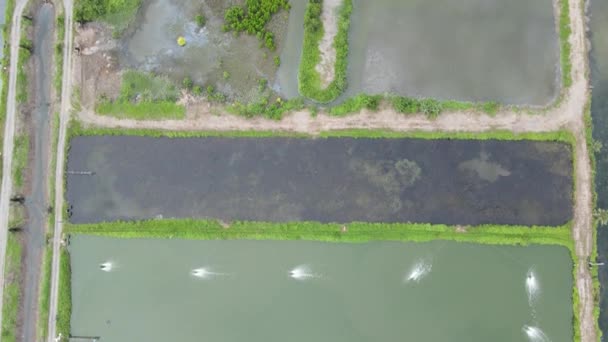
(430, 107)
(277, 61)
(187, 83)
(405, 105)
(253, 18)
(356, 103)
(200, 20)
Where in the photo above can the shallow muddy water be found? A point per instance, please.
(151, 45)
(599, 112)
(478, 50)
(176, 290)
(328, 180)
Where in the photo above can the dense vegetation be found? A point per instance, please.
(253, 18)
(266, 108)
(408, 105)
(118, 13)
(308, 78)
(144, 96)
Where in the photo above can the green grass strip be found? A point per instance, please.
(308, 230)
(309, 80)
(20, 158)
(45, 292)
(60, 31)
(77, 129)
(12, 288)
(64, 304)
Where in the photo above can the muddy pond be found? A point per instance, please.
(179, 290)
(233, 64)
(477, 50)
(327, 180)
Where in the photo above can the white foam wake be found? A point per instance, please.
(107, 266)
(302, 272)
(205, 273)
(535, 334)
(420, 270)
(532, 286)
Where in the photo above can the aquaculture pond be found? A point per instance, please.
(327, 180)
(233, 64)
(180, 290)
(599, 112)
(479, 50)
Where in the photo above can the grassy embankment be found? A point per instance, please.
(144, 96)
(12, 270)
(310, 82)
(594, 254)
(58, 56)
(118, 13)
(308, 78)
(64, 301)
(14, 251)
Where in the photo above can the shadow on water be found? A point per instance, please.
(327, 180)
(599, 112)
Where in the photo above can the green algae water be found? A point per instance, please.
(180, 290)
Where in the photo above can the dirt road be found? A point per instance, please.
(64, 117)
(9, 134)
(567, 115)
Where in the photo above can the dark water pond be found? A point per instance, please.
(327, 180)
(599, 111)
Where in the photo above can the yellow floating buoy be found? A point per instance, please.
(181, 41)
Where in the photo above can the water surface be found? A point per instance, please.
(479, 50)
(356, 292)
(328, 180)
(599, 111)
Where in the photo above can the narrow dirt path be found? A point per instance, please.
(329, 18)
(567, 115)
